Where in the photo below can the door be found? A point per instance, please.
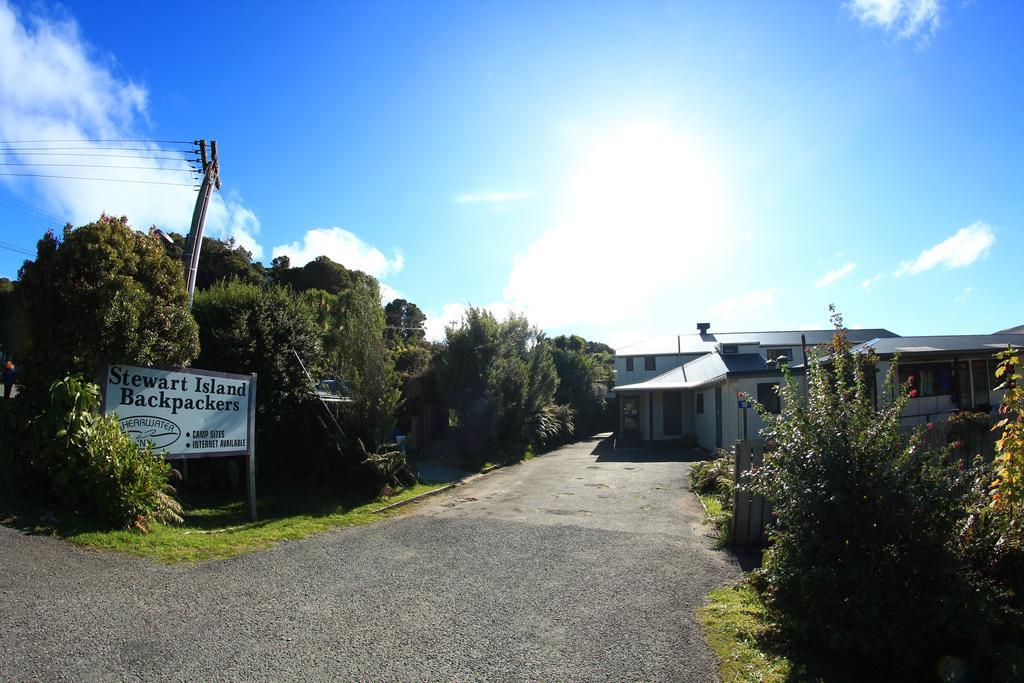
(672, 413)
(718, 417)
(630, 413)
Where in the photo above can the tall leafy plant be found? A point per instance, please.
(863, 578)
(59, 448)
(1008, 485)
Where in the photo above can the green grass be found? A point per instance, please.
(734, 626)
(217, 527)
(719, 515)
(712, 505)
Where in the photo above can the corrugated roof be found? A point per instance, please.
(702, 371)
(695, 343)
(986, 343)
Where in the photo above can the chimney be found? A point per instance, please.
(703, 328)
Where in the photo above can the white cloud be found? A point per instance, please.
(55, 86)
(962, 249)
(343, 247)
(907, 18)
(492, 197)
(389, 294)
(834, 275)
(739, 311)
(229, 219)
(869, 282)
(962, 299)
(643, 219)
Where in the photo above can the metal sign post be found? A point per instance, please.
(744, 403)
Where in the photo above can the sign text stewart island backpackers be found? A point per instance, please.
(130, 384)
(186, 412)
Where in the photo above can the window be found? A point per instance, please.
(700, 404)
(648, 362)
(629, 364)
(775, 354)
(929, 379)
(768, 396)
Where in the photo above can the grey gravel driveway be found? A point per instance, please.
(580, 565)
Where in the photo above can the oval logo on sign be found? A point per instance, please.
(157, 430)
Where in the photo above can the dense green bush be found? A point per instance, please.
(551, 425)
(582, 382)
(864, 578)
(102, 294)
(61, 449)
(352, 328)
(245, 328)
(499, 379)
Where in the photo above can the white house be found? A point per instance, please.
(671, 387)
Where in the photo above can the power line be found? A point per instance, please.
(108, 180)
(139, 168)
(119, 148)
(16, 249)
(107, 156)
(39, 142)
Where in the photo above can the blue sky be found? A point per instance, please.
(613, 169)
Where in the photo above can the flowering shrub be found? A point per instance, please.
(863, 579)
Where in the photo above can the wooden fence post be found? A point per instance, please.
(749, 512)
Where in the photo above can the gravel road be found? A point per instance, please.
(579, 565)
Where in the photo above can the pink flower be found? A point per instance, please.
(957, 444)
(931, 425)
(913, 393)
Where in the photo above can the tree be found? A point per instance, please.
(219, 260)
(351, 324)
(9, 332)
(405, 322)
(102, 294)
(580, 385)
(247, 328)
(585, 373)
(320, 273)
(500, 380)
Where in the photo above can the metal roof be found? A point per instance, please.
(703, 371)
(1012, 330)
(982, 343)
(696, 343)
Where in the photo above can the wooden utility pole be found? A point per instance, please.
(194, 243)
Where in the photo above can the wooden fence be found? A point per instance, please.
(750, 513)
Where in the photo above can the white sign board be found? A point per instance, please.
(186, 412)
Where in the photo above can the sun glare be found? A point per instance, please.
(644, 212)
(647, 180)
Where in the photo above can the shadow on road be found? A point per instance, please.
(606, 452)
